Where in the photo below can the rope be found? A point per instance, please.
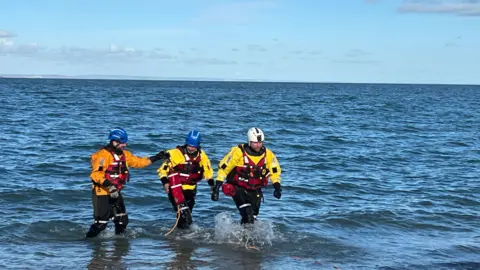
(176, 222)
(247, 246)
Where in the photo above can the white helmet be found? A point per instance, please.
(255, 135)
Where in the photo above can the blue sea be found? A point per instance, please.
(375, 176)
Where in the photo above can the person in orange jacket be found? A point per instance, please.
(244, 171)
(110, 172)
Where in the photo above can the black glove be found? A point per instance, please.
(164, 180)
(107, 183)
(278, 191)
(215, 190)
(161, 155)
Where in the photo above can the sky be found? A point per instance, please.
(359, 41)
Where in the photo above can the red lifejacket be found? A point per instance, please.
(190, 171)
(250, 176)
(117, 172)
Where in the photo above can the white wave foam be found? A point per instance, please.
(227, 230)
(230, 231)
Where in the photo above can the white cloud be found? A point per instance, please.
(6, 34)
(5, 42)
(113, 48)
(98, 56)
(9, 47)
(457, 7)
(113, 53)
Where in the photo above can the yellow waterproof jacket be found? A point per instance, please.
(235, 158)
(176, 158)
(103, 158)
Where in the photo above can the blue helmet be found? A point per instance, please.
(193, 138)
(118, 134)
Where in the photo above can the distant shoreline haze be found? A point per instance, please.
(200, 79)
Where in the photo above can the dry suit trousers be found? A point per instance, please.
(189, 196)
(248, 203)
(106, 208)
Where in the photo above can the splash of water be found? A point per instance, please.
(227, 230)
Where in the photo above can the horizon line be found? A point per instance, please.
(197, 79)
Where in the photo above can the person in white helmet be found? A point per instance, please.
(244, 171)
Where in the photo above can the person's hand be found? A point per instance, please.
(215, 193)
(160, 155)
(167, 188)
(163, 154)
(113, 191)
(214, 188)
(277, 193)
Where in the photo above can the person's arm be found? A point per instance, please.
(208, 175)
(136, 161)
(142, 162)
(275, 172)
(207, 167)
(163, 175)
(228, 163)
(99, 164)
(273, 167)
(175, 157)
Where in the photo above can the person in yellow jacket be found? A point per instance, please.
(244, 171)
(110, 172)
(188, 164)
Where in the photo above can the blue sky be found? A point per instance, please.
(391, 41)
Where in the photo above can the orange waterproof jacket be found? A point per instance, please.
(102, 159)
